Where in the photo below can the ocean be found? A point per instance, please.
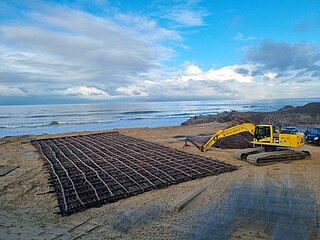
(60, 118)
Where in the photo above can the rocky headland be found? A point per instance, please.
(307, 115)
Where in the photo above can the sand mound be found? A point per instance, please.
(238, 141)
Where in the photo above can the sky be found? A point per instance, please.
(100, 50)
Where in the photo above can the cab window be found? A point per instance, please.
(262, 132)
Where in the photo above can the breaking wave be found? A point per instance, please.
(139, 112)
(50, 124)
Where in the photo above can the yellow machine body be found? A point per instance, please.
(267, 135)
(273, 144)
(264, 135)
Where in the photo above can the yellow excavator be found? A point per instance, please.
(270, 144)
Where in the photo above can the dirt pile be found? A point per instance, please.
(308, 114)
(238, 141)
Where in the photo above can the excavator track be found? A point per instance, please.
(265, 158)
(243, 153)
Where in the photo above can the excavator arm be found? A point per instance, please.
(245, 127)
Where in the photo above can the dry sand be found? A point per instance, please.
(28, 211)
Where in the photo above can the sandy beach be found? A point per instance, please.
(28, 211)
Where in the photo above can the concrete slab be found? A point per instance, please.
(28, 153)
(186, 201)
(5, 169)
(181, 205)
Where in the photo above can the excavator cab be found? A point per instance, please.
(263, 133)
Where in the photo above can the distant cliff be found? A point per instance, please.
(308, 114)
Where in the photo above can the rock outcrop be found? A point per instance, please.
(308, 114)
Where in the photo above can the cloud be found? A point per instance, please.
(84, 91)
(193, 82)
(232, 73)
(240, 37)
(193, 70)
(58, 47)
(316, 74)
(148, 27)
(134, 90)
(6, 91)
(242, 71)
(244, 81)
(283, 56)
(188, 17)
(186, 14)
